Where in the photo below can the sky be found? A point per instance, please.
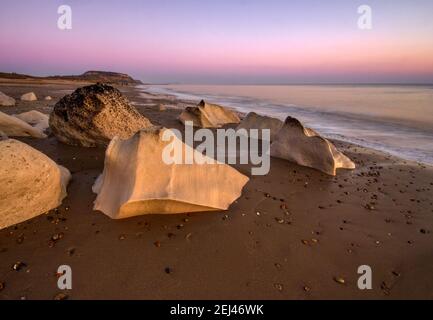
(222, 41)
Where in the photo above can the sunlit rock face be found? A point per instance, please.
(91, 116)
(6, 101)
(30, 183)
(137, 180)
(256, 121)
(13, 126)
(207, 115)
(34, 118)
(307, 148)
(30, 96)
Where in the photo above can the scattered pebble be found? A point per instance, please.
(340, 280)
(278, 286)
(369, 207)
(396, 274)
(167, 270)
(385, 288)
(17, 266)
(57, 236)
(279, 220)
(61, 296)
(20, 239)
(157, 244)
(71, 251)
(2, 285)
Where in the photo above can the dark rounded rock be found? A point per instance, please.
(91, 116)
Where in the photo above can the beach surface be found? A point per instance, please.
(293, 234)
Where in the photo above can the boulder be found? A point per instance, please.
(136, 180)
(256, 121)
(14, 127)
(30, 183)
(34, 118)
(48, 98)
(6, 101)
(30, 96)
(307, 148)
(93, 115)
(207, 115)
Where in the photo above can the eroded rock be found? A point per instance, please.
(137, 181)
(207, 115)
(306, 147)
(6, 101)
(14, 127)
(30, 96)
(256, 121)
(30, 183)
(34, 118)
(93, 115)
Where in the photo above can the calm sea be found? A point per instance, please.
(397, 119)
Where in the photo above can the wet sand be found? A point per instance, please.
(293, 234)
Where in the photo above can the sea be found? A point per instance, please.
(396, 119)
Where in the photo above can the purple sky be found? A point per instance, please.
(222, 41)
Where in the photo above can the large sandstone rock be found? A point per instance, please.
(137, 181)
(256, 121)
(35, 118)
(306, 147)
(30, 96)
(30, 183)
(6, 101)
(207, 115)
(14, 127)
(93, 115)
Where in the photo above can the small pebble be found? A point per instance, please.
(61, 296)
(369, 207)
(339, 280)
(71, 251)
(279, 220)
(278, 286)
(57, 236)
(17, 266)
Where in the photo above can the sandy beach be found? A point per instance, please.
(295, 233)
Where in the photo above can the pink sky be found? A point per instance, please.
(226, 42)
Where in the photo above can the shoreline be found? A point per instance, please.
(391, 133)
(290, 235)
